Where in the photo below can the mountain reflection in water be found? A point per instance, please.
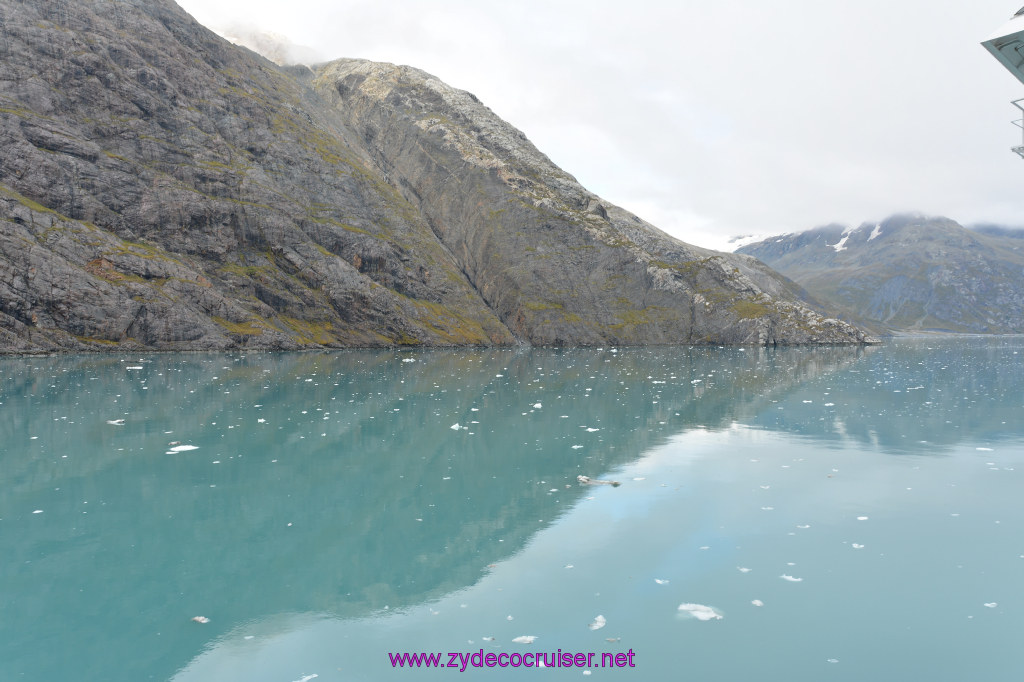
(350, 484)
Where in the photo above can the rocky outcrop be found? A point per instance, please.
(909, 273)
(161, 188)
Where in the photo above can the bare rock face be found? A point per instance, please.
(161, 188)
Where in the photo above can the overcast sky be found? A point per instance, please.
(716, 118)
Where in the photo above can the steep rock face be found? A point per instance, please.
(909, 273)
(161, 188)
(558, 264)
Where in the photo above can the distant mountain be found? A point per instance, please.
(909, 273)
(161, 188)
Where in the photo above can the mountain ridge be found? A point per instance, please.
(909, 273)
(163, 189)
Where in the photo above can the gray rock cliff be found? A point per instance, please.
(161, 188)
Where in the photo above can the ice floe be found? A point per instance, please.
(700, 611)
(757, 602)
(524, 639)
(791, 578)
(598, 623)
(182, 448)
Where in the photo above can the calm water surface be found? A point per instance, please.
(827, 514)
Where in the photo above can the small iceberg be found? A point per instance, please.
(701, 612)
(791, 578)
(524, 639)
(182, 448)
(599, 622)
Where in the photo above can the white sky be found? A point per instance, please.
(716, 118)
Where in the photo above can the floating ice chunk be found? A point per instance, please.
(576, 447)
(408, 360)
(984, 449)
(524, 639)
(140, 367)
(804, 526)
(701, 612)
(743, 569)
(537, 406)
(832, 660)
(791, 578)
(455, 427)
(757, 602)
(990, 605)
(182, 448)
(116, 422)
(856, 546)
(307, 678)
(509, 617)
(660, 581)
(767, 508)
(571, 566)
(599, 622)
(38, 511)
(862, 518)
(200, 619)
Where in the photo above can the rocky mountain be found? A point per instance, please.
(161, 188)
(909, 273)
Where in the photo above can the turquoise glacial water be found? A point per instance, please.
(820, 514)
